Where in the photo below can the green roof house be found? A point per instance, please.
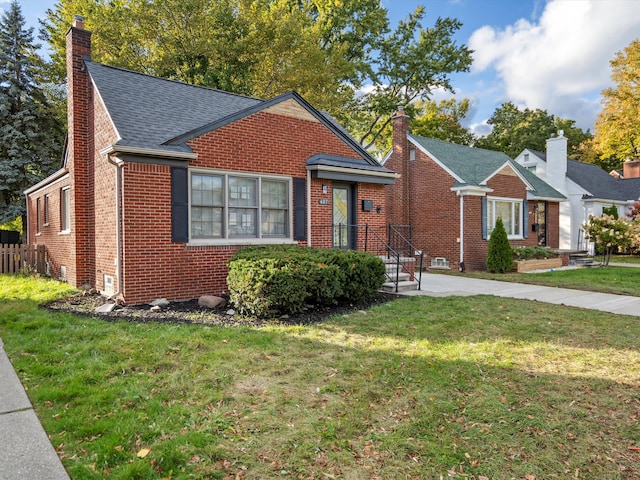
(451, 196)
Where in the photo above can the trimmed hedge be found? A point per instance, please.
(277, 280)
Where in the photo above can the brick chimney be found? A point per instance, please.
(631, 168)
(398, 193)
(80, 153)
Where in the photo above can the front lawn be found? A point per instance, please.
(616, 280)
(625, 259)
(421, 387)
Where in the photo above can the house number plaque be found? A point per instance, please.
(323, 201)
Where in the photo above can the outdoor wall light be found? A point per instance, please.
(324, 188)
(378, 208)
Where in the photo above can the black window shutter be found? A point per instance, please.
(299, 209)
(179, 204)
(484, 218)
(525, 220)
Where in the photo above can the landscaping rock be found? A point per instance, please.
(155, 308)
(211, 301)
(106, 308)
(230, 312)
(159, 302)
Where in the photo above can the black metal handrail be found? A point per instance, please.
(361, 237)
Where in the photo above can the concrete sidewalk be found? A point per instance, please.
(440, 285)
(26, 453)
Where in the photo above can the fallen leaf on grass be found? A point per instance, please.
(143, 452)
(634, 449)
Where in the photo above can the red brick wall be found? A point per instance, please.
(104, 216)
(60, 244)
(553, 224)
(261, 143)
(433, 209)
(80, 156)
(398, 194)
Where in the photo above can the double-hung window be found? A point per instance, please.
(65, 209)
(232, 206)
(511, 213)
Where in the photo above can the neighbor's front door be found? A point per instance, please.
(542, 223)
(343, 235)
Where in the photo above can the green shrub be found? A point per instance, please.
(268, 281)
(364, 273)
(499, 256)
(527, 253)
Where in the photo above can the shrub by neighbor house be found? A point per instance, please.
(278, 280)
(535, 252)
(499, 255)
(609, 233)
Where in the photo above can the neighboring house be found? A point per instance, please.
(452, 195)
(162, 182)
(588, 188)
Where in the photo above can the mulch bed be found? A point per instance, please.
(191, 313)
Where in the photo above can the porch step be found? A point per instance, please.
(403, 286)
(404, 278)
(581, 258)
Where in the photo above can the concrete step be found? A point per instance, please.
(402, 276)
(403, 286)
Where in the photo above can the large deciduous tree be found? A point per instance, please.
(339, 54)
(442, 120)
(515, 129)
(30, 136)
(617, 131)
(411, 63)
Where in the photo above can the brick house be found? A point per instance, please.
(451, 196)
(162, 182)
(588, 188)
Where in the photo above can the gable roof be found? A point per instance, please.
(474, 166)
(157, 114)
(147, 111)
(599, 183)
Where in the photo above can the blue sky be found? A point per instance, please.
(548, 54)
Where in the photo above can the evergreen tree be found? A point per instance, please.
(29, 133)
(499, 256)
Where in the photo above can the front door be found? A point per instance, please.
(541, 221)
(343, 234)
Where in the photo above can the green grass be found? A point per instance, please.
(616, 280)
(625, 259)
(422, 387)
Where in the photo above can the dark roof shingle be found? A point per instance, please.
(147, 111)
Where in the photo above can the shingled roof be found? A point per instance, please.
(157, 114)
(599, 183)
(473, 166)
(147, 111)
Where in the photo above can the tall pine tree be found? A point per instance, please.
(30, 134)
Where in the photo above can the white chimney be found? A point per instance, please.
(557, 161)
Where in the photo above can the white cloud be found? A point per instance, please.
(559, 62)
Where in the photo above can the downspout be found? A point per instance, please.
(308, 208)
(461, 232)
(118, 164)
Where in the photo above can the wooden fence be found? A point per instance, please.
(18, 258)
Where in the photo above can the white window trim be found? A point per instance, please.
(46, 213)
(67, 211)
(246, 240)
(38, 216)
(513, 201)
